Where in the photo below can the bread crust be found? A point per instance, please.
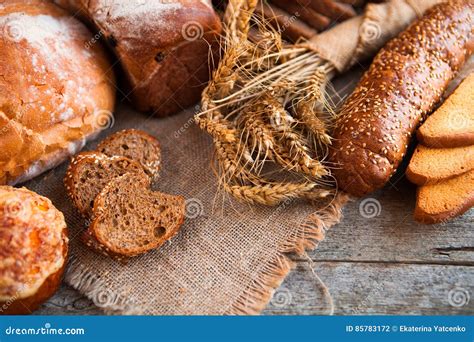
(153, 169)
(163, 47)
(94, 239)
(53, 90)
(404, 83)
(431, 165)
(33, 253)
(452, 124)
(434, 203)
(71, 183)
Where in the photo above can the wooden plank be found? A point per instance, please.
(393, 235)
(376, 288)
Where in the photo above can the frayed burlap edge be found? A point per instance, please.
(255, 297)
(307, 237)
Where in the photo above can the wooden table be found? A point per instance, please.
(386, 264)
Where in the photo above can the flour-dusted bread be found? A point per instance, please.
(445, 200)
(130, 219)
(90, 172)
(33, 250)
(404, 83)
(55, 93)
(163, 46)
(431, 165)
(452, 125)
(134, 144)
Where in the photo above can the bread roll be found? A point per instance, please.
(33, 250)
(55, 93)
(405, 81)
(163, 47)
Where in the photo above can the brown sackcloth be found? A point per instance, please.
(228, 257)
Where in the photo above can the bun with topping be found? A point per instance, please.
(33, 250)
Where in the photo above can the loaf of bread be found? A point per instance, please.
(405, 81)
(33, 250)
(163, 46)
(55, 93)
(445, 200)
(452, 124)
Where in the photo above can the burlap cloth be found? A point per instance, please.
(228, 257)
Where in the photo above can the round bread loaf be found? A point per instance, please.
(33, 250)
(56, 90)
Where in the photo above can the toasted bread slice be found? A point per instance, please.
(136, 145)
(431, 165)
(452, 125)
(130, 219)
(445, 200)
(89, 173)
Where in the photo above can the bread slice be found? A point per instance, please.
(136, 145)
(130, 219)
(431, 165)
(445, 200)
(452, 125)
(89, 173)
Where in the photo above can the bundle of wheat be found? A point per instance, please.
(267, 108)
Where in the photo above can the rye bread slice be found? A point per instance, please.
(431, 165)
(452, 125)
(130, 219)
(445, 200)
(89, 173)
(136, 145)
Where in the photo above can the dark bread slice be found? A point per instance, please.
(89, 173)
(431, 165)
(445, 200)
(452, 125)
(136, 145)
(130, 219)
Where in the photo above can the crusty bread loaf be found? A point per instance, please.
(431, 165)
(54, 91)
(130, 219)
(33, 250)
(452, 125)
(163, 46)
(90, 172)
(134, 144)
(405, 81)
(445, 200)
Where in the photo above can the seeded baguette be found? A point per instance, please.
(130, 219)
(431, 165)
(134, 144)
(89, 173)
(405, 81)
(445, 200)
